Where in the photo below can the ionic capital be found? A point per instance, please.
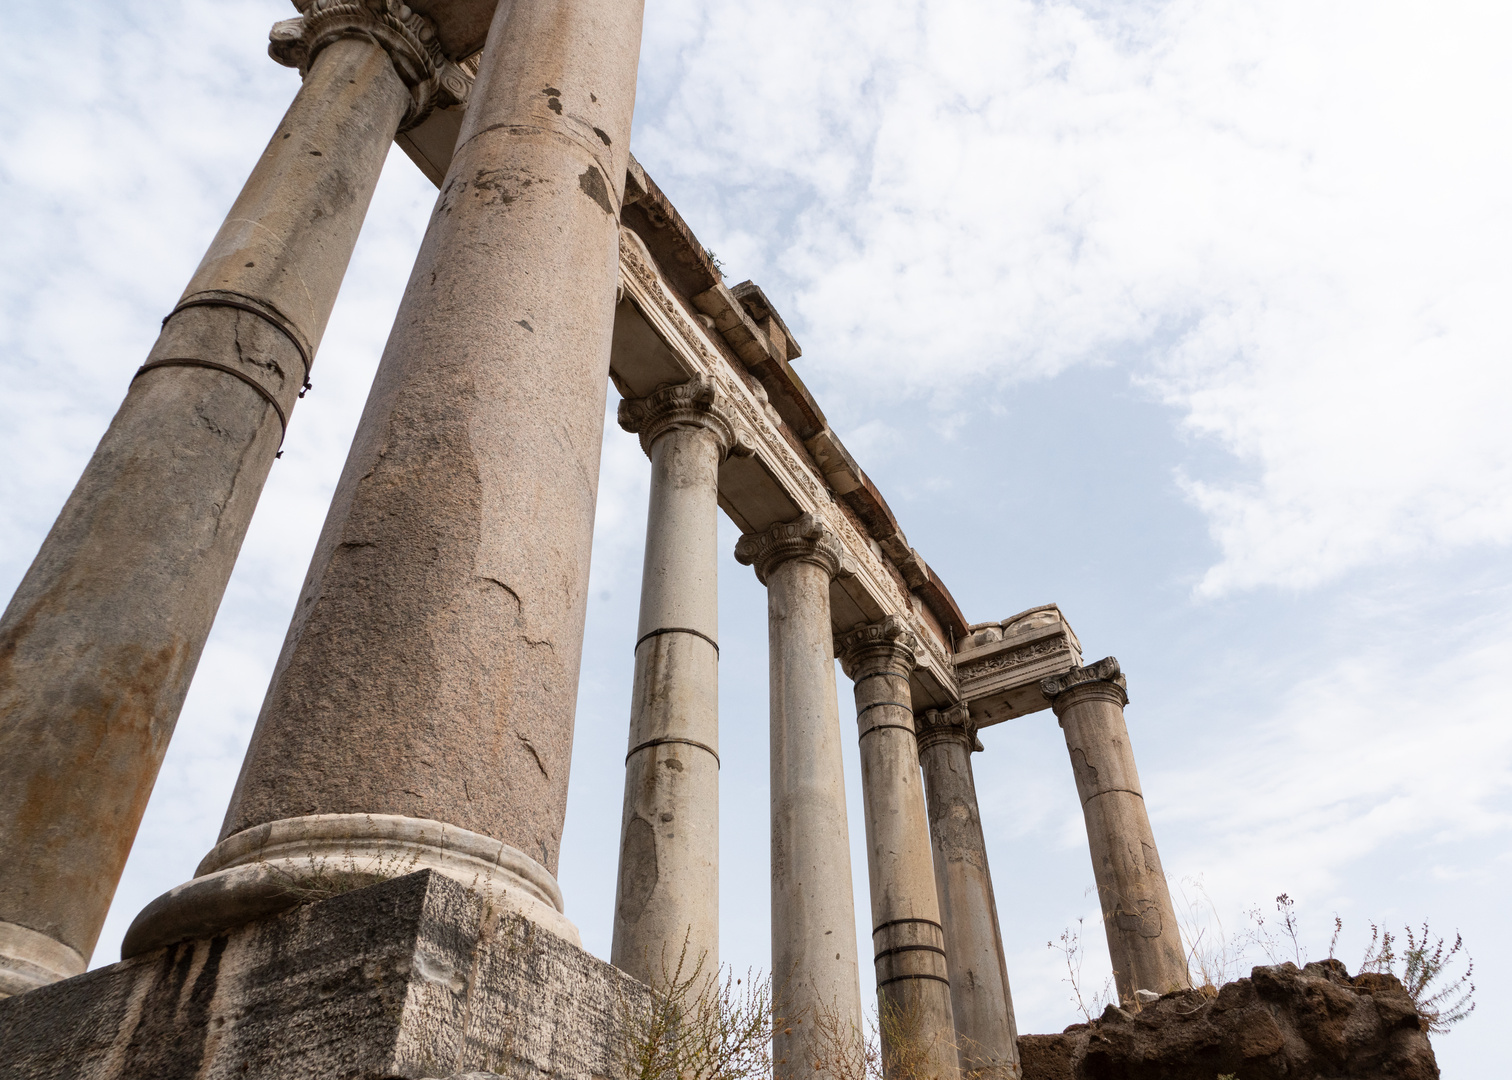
(881, 646)
(408, 37)
(805, 538)
(1103, 679)
(935, 726)
(691, 405)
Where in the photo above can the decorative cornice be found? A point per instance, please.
(804, 538)
(695, 350)
(692, 405)
(936, 726)
(408, 37)
(880, 645)
(1105, 677)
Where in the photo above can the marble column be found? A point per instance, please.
(421, 712)
(979, 992)
(908, 942)
(668, 889)
(1143, 937)
(102, 637)
(814, 973)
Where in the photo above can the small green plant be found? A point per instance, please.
(697, 1026)
(1426, 962)
(1089, 1005)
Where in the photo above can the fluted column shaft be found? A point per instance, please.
(1143, 937)
(979, 993)
(423, 702)
(667, 895)
(908, 942)
(101, 639)
(814, 973)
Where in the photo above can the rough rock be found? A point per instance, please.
(1312, 1024)
(413, 977)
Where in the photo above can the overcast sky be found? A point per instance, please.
(1190, 317)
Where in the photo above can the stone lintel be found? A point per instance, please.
(415, 977)
(999, 666)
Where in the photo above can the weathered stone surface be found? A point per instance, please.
(99, 644)
(668, 888)
(814, 967)
(981, 999)
(416, 977)
(430, 671)
(1000, 664)
(1311, 1024)
(1138, 916)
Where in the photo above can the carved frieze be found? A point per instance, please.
(798, 478)
(999, 666)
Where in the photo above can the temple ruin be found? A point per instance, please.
(442, 619)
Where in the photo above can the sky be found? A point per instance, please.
(1180, 315)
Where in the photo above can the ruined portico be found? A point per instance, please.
(520, 313)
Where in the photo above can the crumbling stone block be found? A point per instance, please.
(1312, 1024)
(411, 978)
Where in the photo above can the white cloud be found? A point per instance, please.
(1288, 221)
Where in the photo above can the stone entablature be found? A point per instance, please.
(999, 666)
(775, 483)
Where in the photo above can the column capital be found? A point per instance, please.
(805, 538)
(693, 404)
(935, 726)
(880, 646)
(1103, 679)
(408, 37)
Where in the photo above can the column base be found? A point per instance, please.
(276, 866)
(29, 959)
(409, 978)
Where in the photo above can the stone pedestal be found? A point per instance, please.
(431, 669)
(667, 895)
(979, 992)
(908, 942)
(814, 975)
(415, 977)
(104, 633)
(1143, 936)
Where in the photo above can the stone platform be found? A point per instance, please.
(413, 977)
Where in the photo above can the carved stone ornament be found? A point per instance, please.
(886, 644)
(935, 726)
(1105, 675)
(408, 37)
(809, 492)
(694, 404)
(804, 538)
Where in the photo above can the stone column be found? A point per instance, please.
(908, 943)
(814, 974)
(421, 712)
(102, 637)
(1143, 937)
(668, 890)
(979, 993)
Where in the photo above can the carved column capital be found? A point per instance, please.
(693, 404)
(806, 538)
(1103, 679)
(935, 726)
(888, 645)
(408, 37)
